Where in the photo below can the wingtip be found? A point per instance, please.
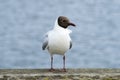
(43, 48)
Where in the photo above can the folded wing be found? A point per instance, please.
(45, 43)
(70, 45)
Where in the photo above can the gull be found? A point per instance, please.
(58, 41)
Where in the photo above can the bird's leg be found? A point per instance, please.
(64, 69)
(51, 62)
(51, 69)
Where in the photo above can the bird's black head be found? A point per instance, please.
(64, 22)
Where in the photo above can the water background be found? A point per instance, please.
(96, 39)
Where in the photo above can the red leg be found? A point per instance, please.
(64, 69)
(51, 69)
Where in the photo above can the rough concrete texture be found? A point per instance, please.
(71, 74)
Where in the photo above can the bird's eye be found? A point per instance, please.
(64, 20)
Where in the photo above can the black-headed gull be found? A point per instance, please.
(58, 41)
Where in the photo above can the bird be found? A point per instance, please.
(58, 40)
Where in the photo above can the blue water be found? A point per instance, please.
(96, 41)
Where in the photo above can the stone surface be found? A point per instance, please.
(71, 74)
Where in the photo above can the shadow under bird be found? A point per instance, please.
(58, 41)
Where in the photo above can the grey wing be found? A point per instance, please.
(45, 43)
(70, 45)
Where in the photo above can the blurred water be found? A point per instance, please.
(96, 41)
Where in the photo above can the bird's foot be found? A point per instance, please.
(51, 70)
(64, 70)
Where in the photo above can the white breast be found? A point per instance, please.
(59, 41)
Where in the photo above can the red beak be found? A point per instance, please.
(72, 24)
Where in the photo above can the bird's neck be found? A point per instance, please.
(56, 26)
(59, 28)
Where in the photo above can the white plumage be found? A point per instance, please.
(58, 41)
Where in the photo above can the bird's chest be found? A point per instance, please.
(59, 43)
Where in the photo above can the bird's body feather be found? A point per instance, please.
(57, 41)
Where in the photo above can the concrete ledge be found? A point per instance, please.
(71, 74)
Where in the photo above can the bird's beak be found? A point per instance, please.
(72, 24)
